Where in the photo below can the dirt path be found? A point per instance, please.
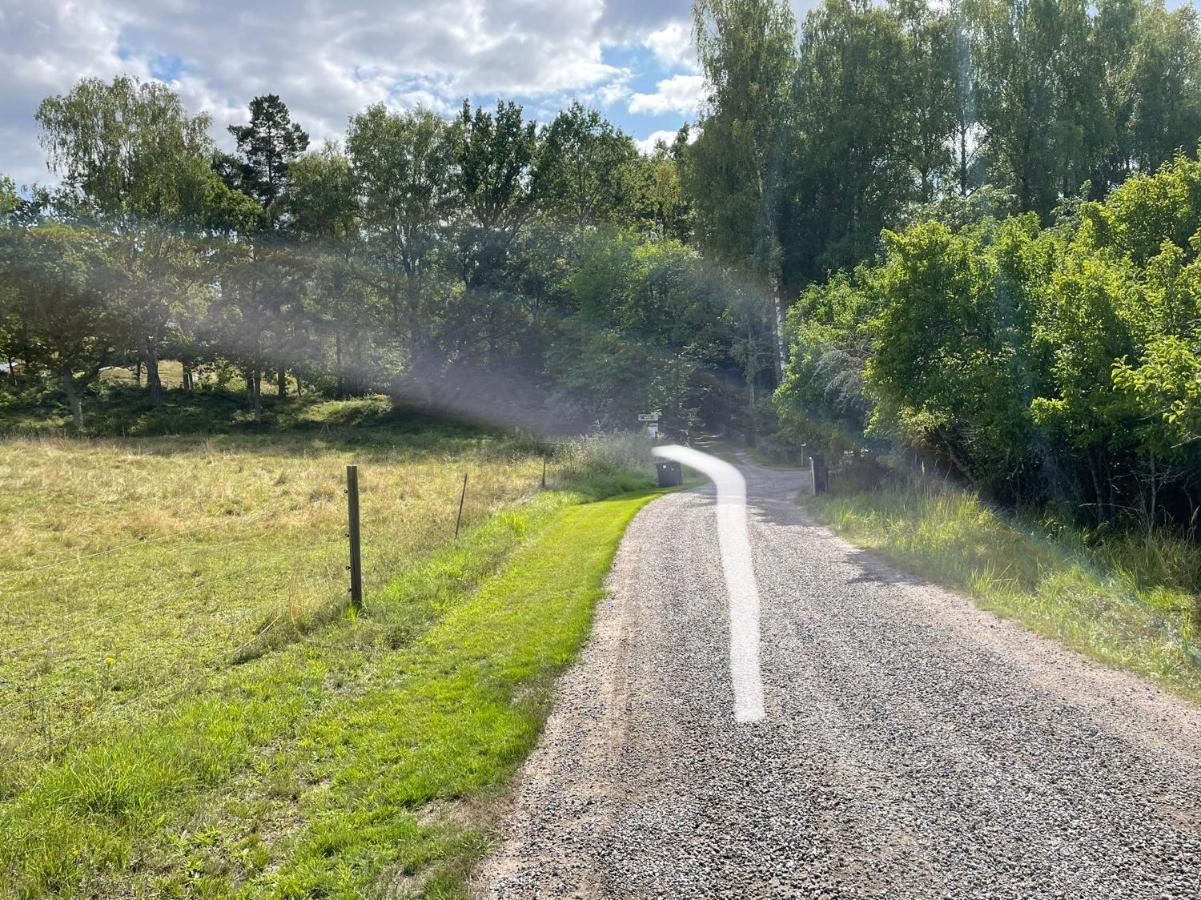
(913, 745)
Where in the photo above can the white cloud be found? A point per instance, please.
(646, 145)
(326, 58)
(680, 93)
(672, 46)
(39, 44)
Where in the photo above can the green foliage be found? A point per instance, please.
(268, 144)
(1041, 364)
(746, 52)
(587, 166)
(949, 360)
(1165, 392)
(648, 326)
(430, 260)
(809, 150)
(55, 316)
(402, 164)
(848, 174)
(130, 152)
(500, 181)
(9, 199)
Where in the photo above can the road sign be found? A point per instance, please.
(648, 417)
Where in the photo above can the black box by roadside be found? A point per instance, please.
(670, 473)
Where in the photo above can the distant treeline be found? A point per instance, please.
(817, 138)
(535, 275)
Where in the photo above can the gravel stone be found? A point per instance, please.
(914, 745)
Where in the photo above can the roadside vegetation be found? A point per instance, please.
(190, 707)
(1132, 600)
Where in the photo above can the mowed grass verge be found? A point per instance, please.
(1131, 601)
(314, 751)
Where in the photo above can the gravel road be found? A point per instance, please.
(913, 746)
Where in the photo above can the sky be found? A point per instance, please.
(632, 59)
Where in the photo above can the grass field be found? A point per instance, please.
(187, 706)
(1131, 601)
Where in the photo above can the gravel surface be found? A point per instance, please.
(914, 746)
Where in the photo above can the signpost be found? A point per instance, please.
(652, 423)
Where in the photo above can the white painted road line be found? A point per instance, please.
(741, 587)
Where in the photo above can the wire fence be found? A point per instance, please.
(190, 670)
(53, 686)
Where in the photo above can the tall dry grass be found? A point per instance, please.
(128, 567)
(1131, 600)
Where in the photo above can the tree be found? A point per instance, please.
(322, 208)
(963, 103)
(929, 78)
(267, 145)
(1115, 28)
(403, 164)
(1165, 83)
(587, 166)
(266, 148)
(659, 204)
(140, 164)
(1016, 48)
(498, 182)
(9, 198)
(500, 185)
(852, 146)
(747, 52)
(53, 308)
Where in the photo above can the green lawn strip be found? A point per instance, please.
(102, 813)
(460, 710)
(1112, 603)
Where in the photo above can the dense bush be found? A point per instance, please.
(1045, 364)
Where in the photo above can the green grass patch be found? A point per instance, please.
(188, 707)
(312, 771)
(1131, 601)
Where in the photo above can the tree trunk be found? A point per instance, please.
(778, 329)
(257, 379)
(282, 382)
(340, 385)
(71, 389)
(150, 356)
(187, 377)
(963, 162)
(137, 373)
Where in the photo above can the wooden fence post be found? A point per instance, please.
(462, 497)
(356, 559)
(821, 472)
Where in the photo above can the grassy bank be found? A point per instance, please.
(1131, 602)
(129, 566)
(188, 708)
